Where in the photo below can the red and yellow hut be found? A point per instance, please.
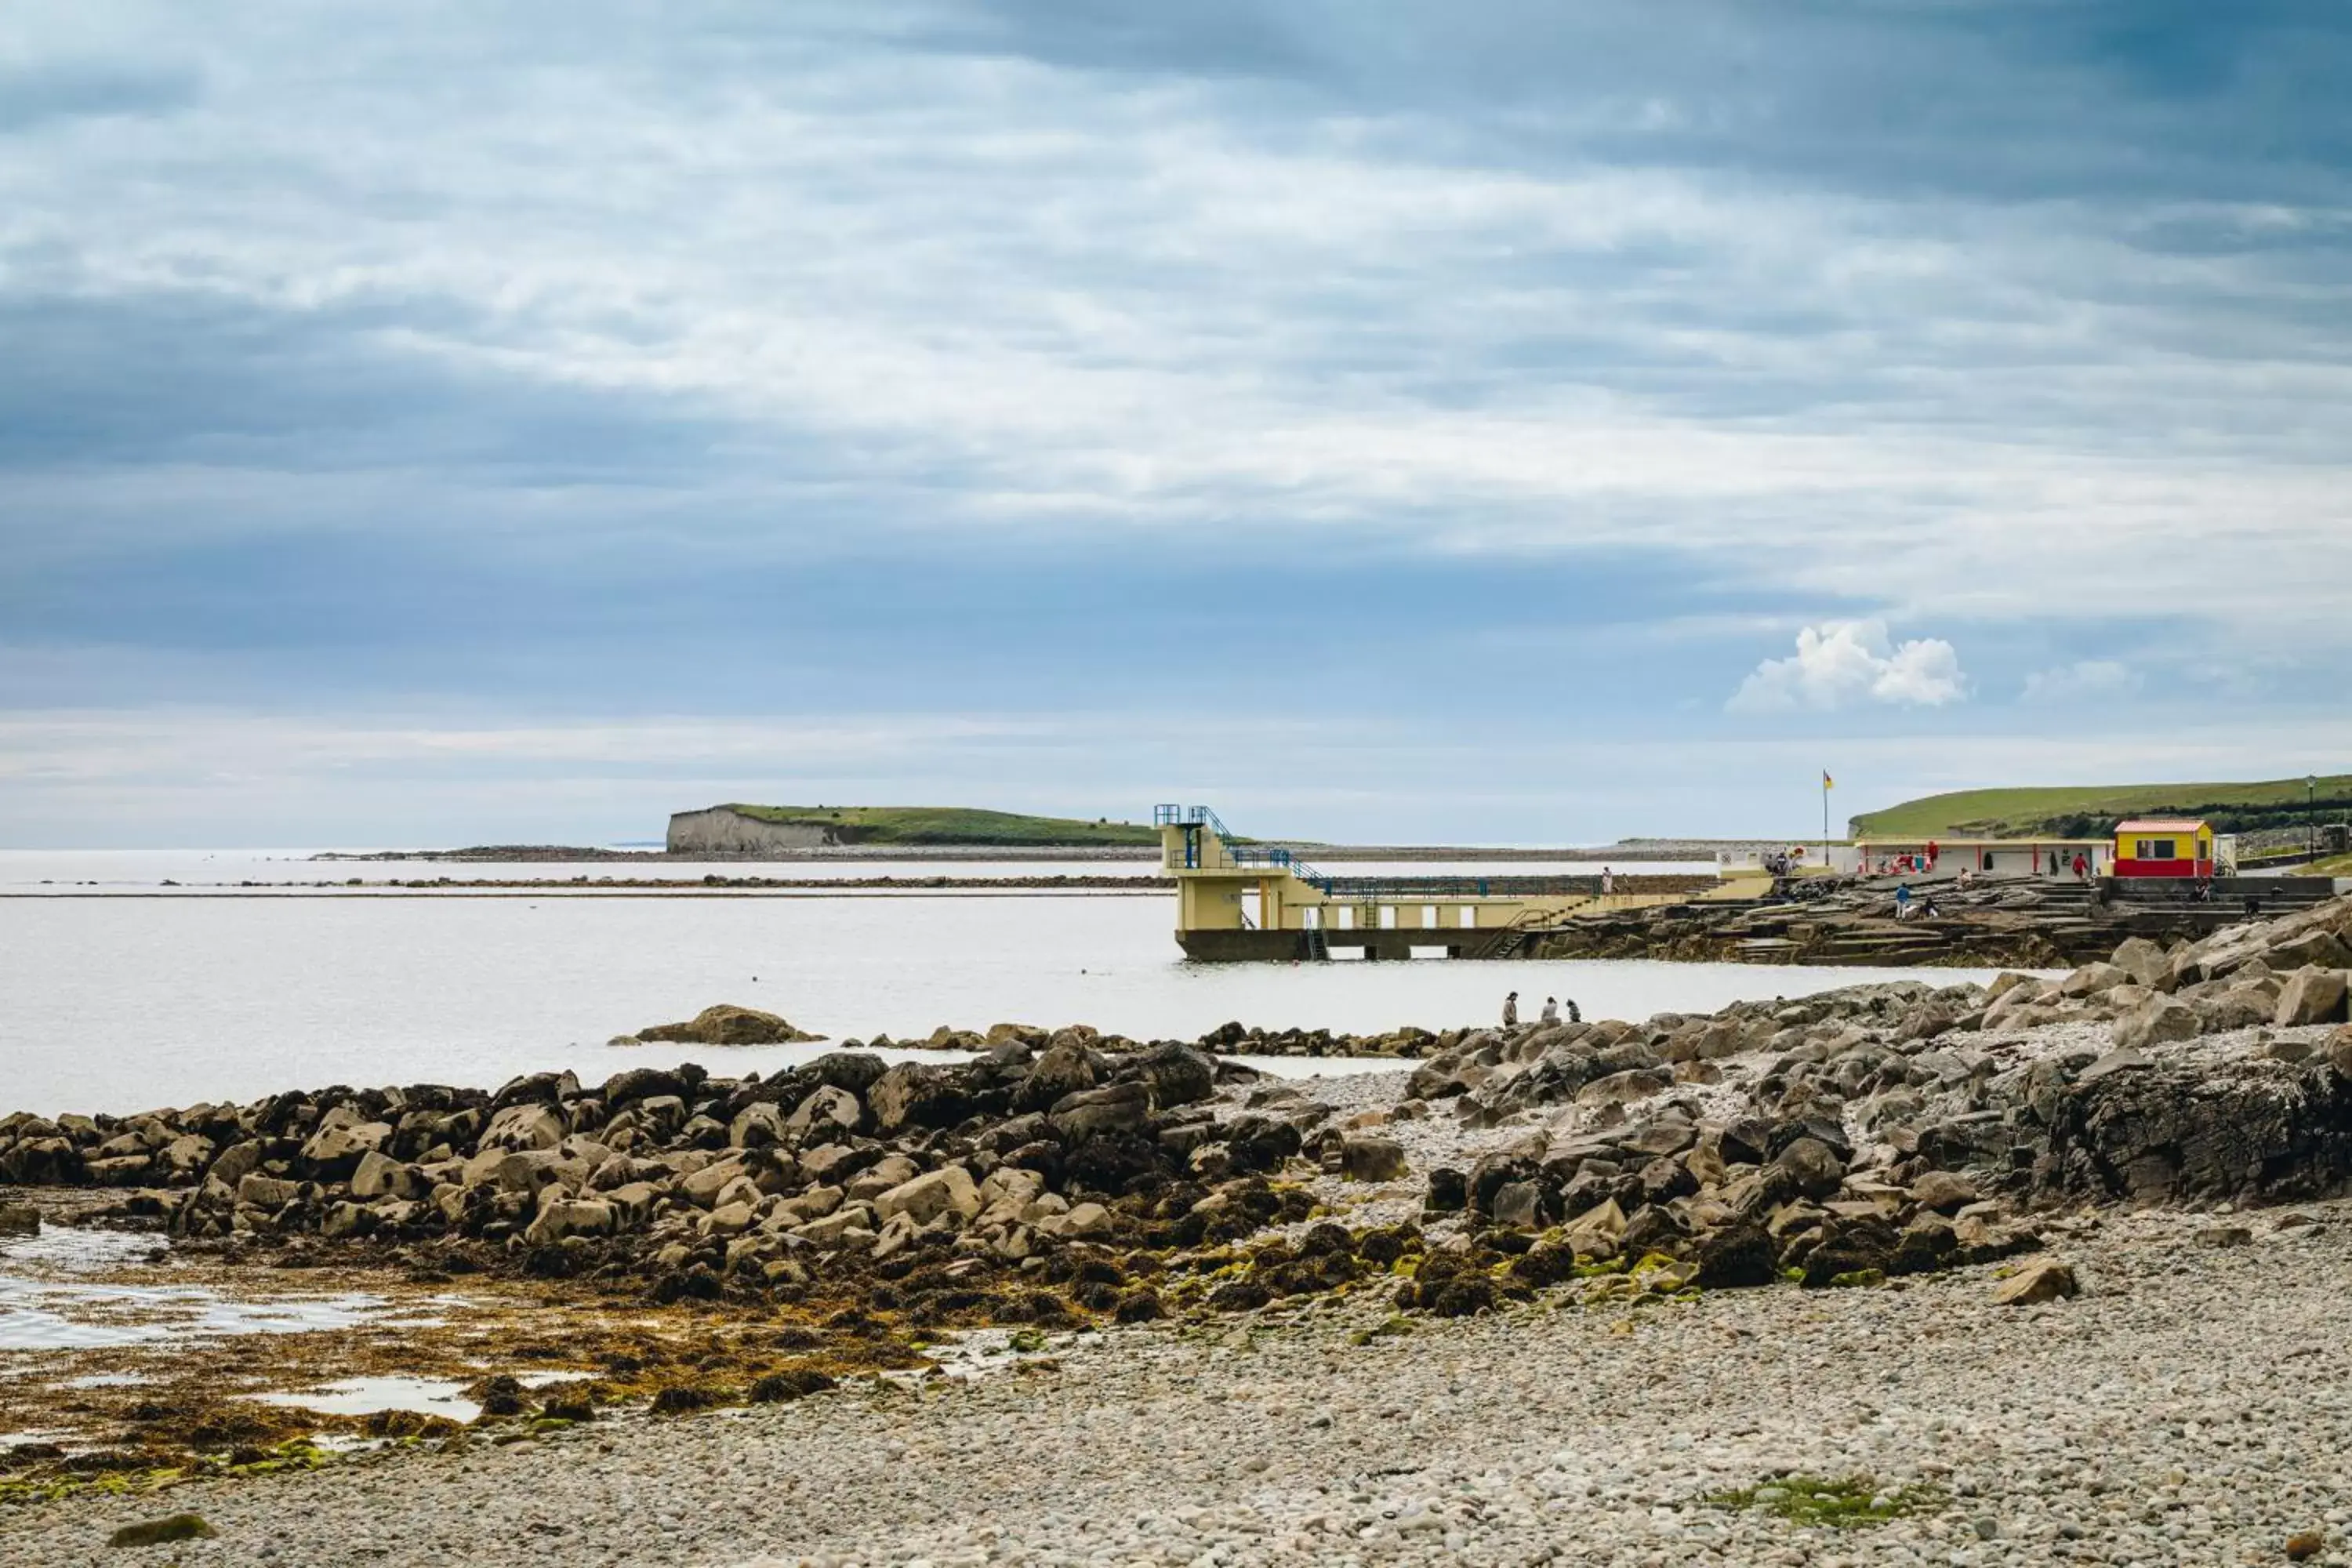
(2164, 847)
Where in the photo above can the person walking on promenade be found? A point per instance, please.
(1511, 1011)
(1550, 1014)
(1608, 881)
(1903, 902)
(2082, 866)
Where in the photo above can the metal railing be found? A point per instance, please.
(1269, 856)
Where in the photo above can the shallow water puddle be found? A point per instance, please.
(49, 1303)
(971, 1354)
(366, 1395)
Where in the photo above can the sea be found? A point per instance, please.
(135, 980)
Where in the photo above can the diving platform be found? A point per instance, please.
(1239, 902)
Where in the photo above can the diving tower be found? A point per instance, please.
(1239, 900)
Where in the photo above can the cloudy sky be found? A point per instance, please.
(1500, 420)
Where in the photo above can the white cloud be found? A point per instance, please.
(2090, 680)
(1840, 664)
(1077, 299)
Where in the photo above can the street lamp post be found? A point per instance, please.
(2311, 815)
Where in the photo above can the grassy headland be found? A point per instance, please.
(2091, 811)
(949, 824)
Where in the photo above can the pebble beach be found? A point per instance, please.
(2191, 1405)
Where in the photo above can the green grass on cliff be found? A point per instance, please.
(2093, 811)
(952, 824)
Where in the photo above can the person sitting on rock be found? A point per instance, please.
(1575, 1014)
(1550, 1014)
(1511, 1011)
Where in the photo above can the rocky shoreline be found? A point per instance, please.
(844, 1217)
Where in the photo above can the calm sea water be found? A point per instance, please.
(189, 871)
(125, 1004)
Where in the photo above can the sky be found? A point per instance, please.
(1493, 422)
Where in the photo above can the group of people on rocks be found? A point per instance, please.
(1550, 1014)
(1918, 863)
(1907, 907)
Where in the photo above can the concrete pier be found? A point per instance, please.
(1239, 902)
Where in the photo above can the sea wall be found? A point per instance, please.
(723, 830)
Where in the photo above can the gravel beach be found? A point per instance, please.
(2192, 1406)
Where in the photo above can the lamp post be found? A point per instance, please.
(2311, 815)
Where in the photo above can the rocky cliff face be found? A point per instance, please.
(723, 830)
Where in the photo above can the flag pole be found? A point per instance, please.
(1825, 818)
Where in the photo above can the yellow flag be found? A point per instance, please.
(1827, 781)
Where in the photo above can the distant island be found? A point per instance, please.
(735, 828)
(2091, 811)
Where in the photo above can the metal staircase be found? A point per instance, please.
(1271, 856)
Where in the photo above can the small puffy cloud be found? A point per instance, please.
(2090, 680)
(1841, 664)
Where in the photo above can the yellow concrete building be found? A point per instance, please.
(1237, 901)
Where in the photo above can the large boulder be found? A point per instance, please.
(728, 1024)
(2156, 1021)
(271, 1193)
(633, 1084)
(853, 1070)
(535, 1125)
(1364, 1157)
(185, 1158)
(2093, 979)
(1943, 1192)
(2191, 1133)
(1735, 1255)
(1496, 1169)
(758, 1125)
(948, 1190)
(569, 1216)
(334, 1151)
(1066, 1069)
(2312, 996)
(1813, 1165)
(916, 1094)
(381, 1177)
(2142, 961)
(1091, 1113)
(2315, 949)
(1851, 1246)
(1178, 1075)
(825, 1111)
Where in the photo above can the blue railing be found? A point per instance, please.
(1241, 854)
(1188, 816)
(1356, 889)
